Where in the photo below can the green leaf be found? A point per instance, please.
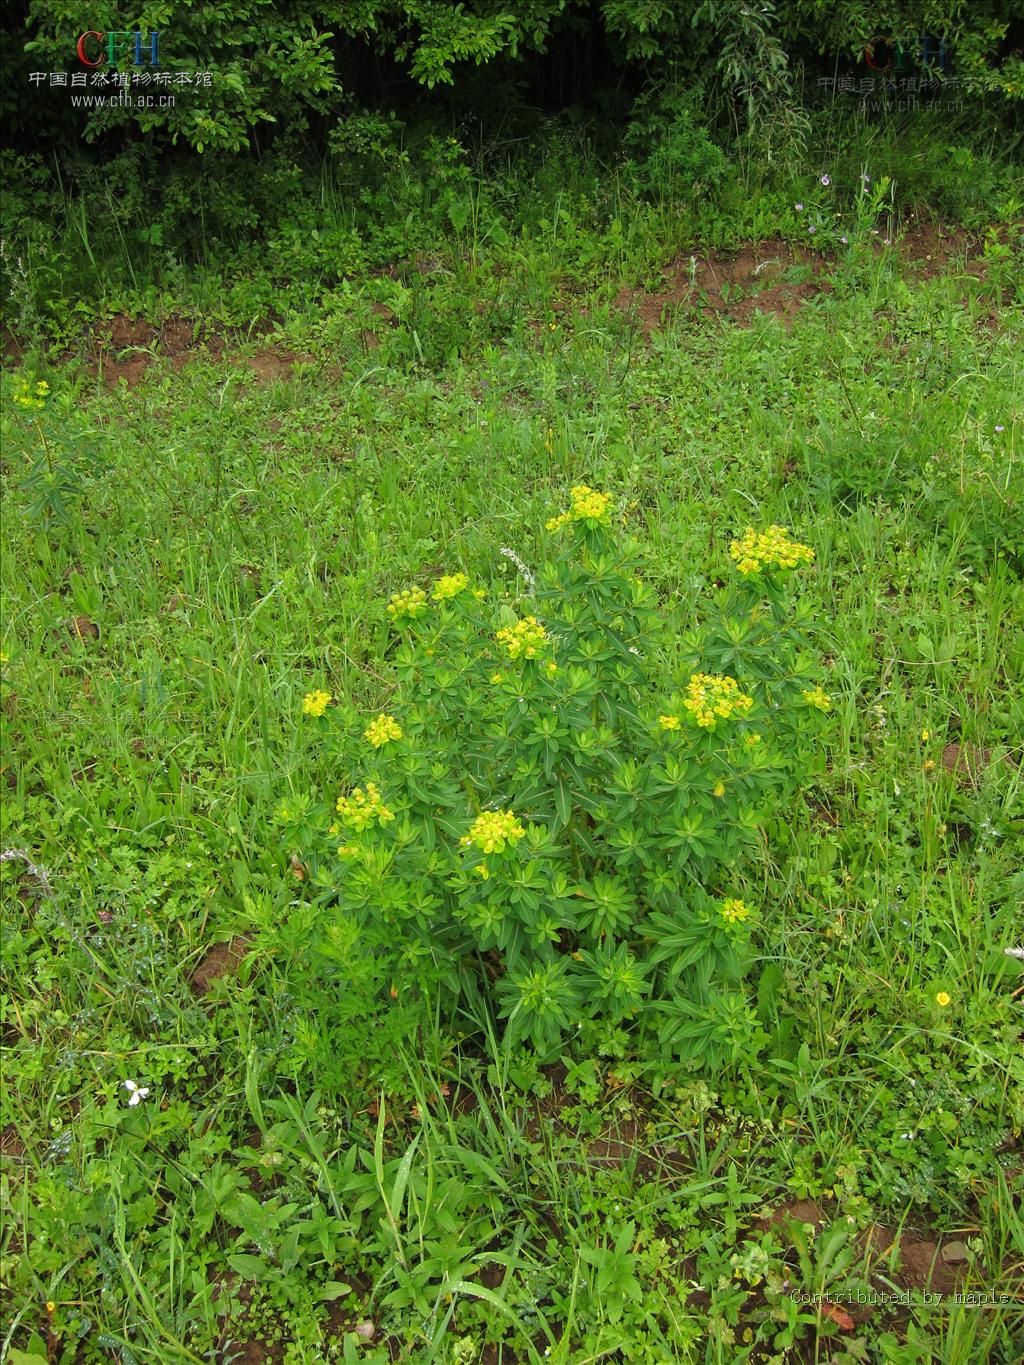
(563, 802)
(333, 1289)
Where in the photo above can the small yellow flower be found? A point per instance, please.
(719, 789)
(711, 697)
(928, 764)
(926, 734)
(382, 730)
(552, 668)
(814, 696)
(587, 505)
(29, 396)
(524, 639)
(733, 911)
(497, 677)
(771, 549)
(349, 851)
(669, 722)
(479, 593)
(751, 740)
(315, 703)
(943, 998)
(482, 870)
(359, 810)
(51, 1307)
(492, 829)
(449, 586)
(411, 602)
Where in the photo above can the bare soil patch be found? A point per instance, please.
(222, 959)
(772, 277)
(778, 278)
(123, 348)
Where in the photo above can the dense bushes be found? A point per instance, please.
(298, 63)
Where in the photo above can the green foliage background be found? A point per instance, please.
(299, 64)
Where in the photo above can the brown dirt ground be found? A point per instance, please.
(776, 278)
(222, 959)
(123, 348)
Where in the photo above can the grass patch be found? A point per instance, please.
(399, 1187)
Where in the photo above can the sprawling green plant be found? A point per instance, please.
(543, 812)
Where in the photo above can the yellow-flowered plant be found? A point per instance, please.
(54, 480)
(711, 697)
(363, 808)
(734, 911)
(30, 396)
(643, 827)
(770, 549)
(492, 830)
(588, 505)
(818, 698)
(525, 640)
(408, 604)
(315, 703)
(449, 586)
(382, 730)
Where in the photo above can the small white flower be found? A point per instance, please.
(138, 1092)
(812, 230)
(845, 241)
(826, 180)
(799, 208)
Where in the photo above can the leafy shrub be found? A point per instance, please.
(292, 64)
(675, 156)
(542, 813)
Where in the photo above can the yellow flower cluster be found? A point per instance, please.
(773, 548)
(669, 722)
(733, 911)
(587, 505)
(492, 830)
(359, 810)
(30, 396)
(381, 730)
(449, 585)
(814, 696)
(711, 697)
(524, 639)
(411, 602)
(315, 703)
